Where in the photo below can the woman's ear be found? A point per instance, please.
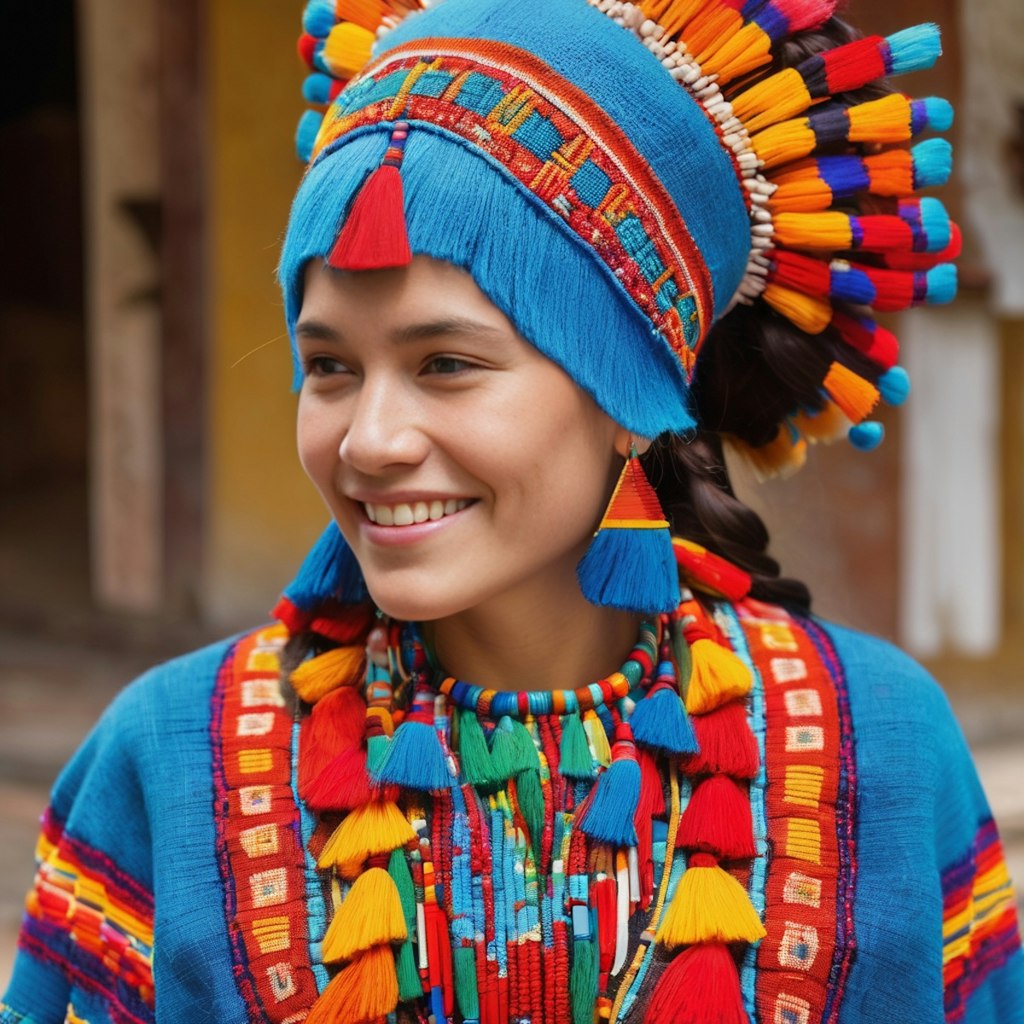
(625, 440)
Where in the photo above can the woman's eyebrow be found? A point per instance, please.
(449, 325)
(316, 330)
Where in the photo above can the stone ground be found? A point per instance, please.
(52, 688)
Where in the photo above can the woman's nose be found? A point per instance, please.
(384, 429)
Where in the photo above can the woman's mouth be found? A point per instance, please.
(410, 513)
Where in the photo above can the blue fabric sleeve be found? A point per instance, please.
(921, 812)
(133, 813)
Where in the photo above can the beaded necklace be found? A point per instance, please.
(520, 856)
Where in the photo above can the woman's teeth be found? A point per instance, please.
(417, 512)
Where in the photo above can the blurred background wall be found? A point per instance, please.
(146, 453)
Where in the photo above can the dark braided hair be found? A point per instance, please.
(755, 369)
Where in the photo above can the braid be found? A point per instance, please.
(756, 369)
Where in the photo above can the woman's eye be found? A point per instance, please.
(324, 366)
(447, 365)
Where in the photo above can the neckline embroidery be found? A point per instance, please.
(280, 983)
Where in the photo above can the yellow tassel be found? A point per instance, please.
(828, 425)
(783, 142)
(748, 50)
(709, 905)
(884, 120)
(829, 229)
(598, 738)
(780, 458)
(376, 827)
(370, 915)
(808, 312)
(347, 49)
(776, 98)
(717, 676)
(315, 678)
(853, 394)
(361, 993)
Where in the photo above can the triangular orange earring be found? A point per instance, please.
(630, 563)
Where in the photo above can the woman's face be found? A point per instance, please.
(462, 466)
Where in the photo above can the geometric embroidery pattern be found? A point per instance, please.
(808, 803)
(563, 149)
(259, 853)
(979, 920)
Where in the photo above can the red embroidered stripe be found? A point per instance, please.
(259, 851)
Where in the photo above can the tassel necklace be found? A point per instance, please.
(535, 856)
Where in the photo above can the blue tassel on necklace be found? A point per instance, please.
(415, 757)
(610, 809)
(660, 721)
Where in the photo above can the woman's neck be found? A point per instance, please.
(552, 645)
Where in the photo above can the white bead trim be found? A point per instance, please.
(684, 69)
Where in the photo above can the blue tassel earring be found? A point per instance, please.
(630, 563)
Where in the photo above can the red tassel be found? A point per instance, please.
(711, 571)
(651, 805)
(700, 986)
(853, 65)
(342, 785)
(334, 725)
(878, 344)
(374, 236)
(727, 746)
(718, 819)
(602, 898)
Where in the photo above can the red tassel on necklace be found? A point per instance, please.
(700, 986)
(374, 235)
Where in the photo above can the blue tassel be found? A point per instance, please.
(894, 386)
(935, 224)
(914, 48)
(610, 809)
(415, 757)
(844, 175)
(634, 570)
(318, 18)
(938, 113)
(941, 282)
(329, 571)
(306, 133)
(660, 722)
(316, 88)
(933, 162)
(866, 436)
(851, 285)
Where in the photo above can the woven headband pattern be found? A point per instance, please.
(559, 146)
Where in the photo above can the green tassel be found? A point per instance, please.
(684, 662)
(583, 981)
(376, 748)
(474, 756)
(409, 986)
(464, 967)
(530, 797)
(512, 749)
(575, 760)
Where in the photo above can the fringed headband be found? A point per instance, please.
(617, 192)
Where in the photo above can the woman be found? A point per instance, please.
(545, 251)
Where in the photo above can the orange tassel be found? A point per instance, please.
(776, 98)
(347, 49)
(809, 313)
(361, 993)
(374, 828)
(781, 457)
(717, 675)
(853, 394)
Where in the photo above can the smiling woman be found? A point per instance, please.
(541, 734)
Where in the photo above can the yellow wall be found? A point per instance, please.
(262, 512)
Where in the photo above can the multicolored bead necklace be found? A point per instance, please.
(535, 856)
